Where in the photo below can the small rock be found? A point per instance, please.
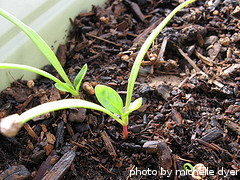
(159, 116)
(125, 58)
(144, 71)
(30, 84)
(235, 37)
(215, 12)
(77, 115)
(123, 65)
(136, 128)
(225, 41)
(38, 156)
(210, 40)
(144, 89)
(81, 128)
(150, 146)
(236, 12)
(163, 91)
(214, 50)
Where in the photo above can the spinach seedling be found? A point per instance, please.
(49, 54)
(110, 99)
(10, 125)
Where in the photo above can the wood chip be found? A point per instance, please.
(60, 168)
(15, 173)
(46, 165)
(30, 131)
(109, 145)
(188, 59)
(233, 126)
(204, 59)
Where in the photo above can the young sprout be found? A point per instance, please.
(110, 99)
(198, 172)
(49, 54)
(10, 125)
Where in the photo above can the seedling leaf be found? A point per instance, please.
(61, 88)
(109, 99)
(78, 79)
(145, 47)
(134, 105)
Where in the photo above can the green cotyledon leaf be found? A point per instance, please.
(109, 99)
(78, 79)
(61, 88)
(134, 105)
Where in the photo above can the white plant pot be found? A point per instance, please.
(50, 18)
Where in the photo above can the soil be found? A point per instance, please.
(189, 82)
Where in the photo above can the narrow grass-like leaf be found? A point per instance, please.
(134, 105)
(63, 104)
(78, 79)
(38, 71)
(39, 42)
(109, 99)
(145, 47)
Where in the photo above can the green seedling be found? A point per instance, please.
(49, 54)
(108, 97)
(10, 125)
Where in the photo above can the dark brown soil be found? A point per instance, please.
(189, 82)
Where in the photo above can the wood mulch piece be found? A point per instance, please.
(189, 81)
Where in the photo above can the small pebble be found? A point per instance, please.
(125, 58)
(30, 84)
(225, 41)
(88, 88)
(215, 13)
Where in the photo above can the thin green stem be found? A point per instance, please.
(64, 104)
(125, 118)
(40, 72)
(145, 47)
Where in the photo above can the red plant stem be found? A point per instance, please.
(125, 132)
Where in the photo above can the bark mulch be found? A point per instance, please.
(189, 81)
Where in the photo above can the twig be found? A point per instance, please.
(162, 50)
(109, 145)
(142, 37)
(186, 79)
(16, 80)
(79, 145)
(204, 59)
(110, 42)
(107, 169)
(188, 59)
